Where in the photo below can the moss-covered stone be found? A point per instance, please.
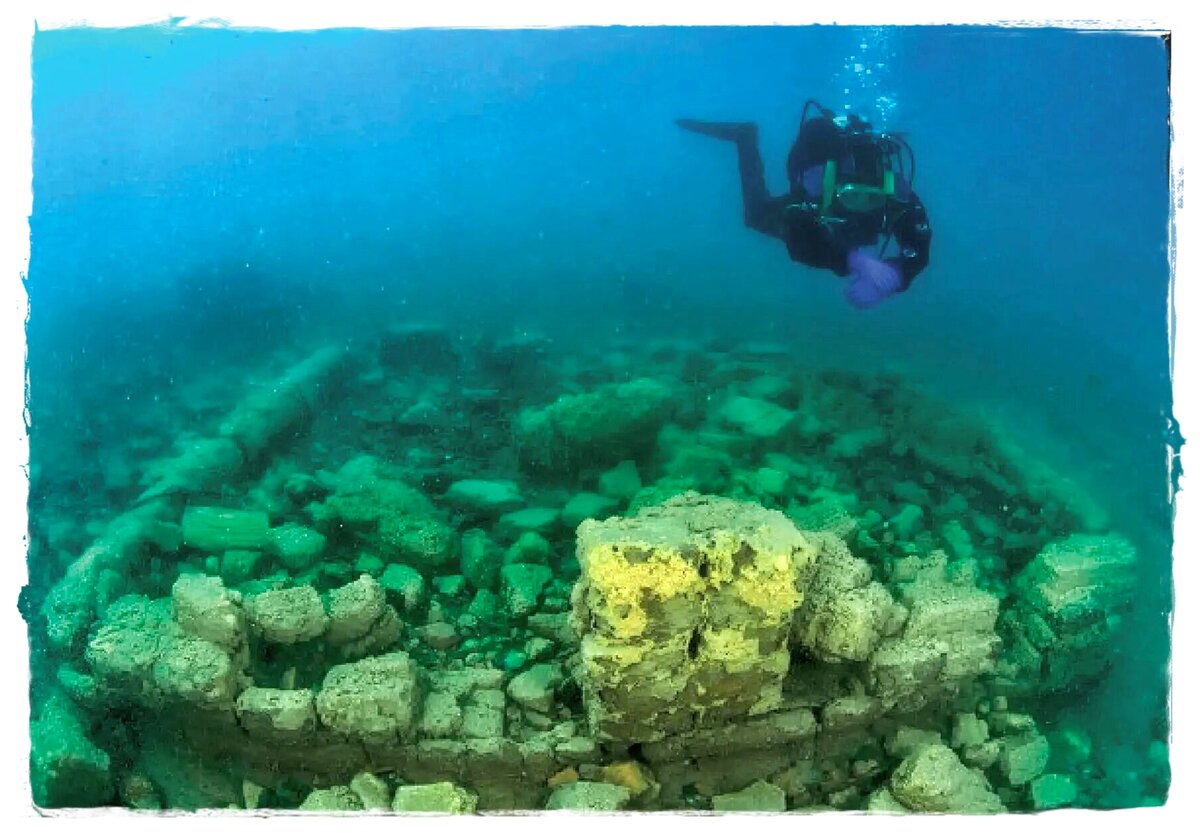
(684, 611)
(534, 689)
(297, 547)
(277, 715)
(480, 560)
(372, 791)
(585, 505)
(240, 566)
(287, 616)
(404, 587)
(589, 796)
(756, 418)
(530, 548)
(522, 585)
(484, 498)
(353, 609)
(539, 520)
(621, 482)
(443, 797)
(934, 780)
(593, 429)
(66, 768)
(206, 610)
(759, 797)
(374, 700)
(216, 529)
(332, 800)
(1049, 792)
(425, 543)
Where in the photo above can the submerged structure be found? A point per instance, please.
(430, 577)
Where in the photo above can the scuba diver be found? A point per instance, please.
(849, 186)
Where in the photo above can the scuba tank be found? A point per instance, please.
(862, 168)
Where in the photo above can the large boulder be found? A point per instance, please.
(684, 612)
(375, 700)
(933, 780)
(1069, 602)
(594, 429)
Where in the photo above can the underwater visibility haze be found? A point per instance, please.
(415, 424)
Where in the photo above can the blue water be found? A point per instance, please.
(202, 197)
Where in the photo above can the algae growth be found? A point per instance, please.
(430, 575)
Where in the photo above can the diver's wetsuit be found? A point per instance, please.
(795, 217)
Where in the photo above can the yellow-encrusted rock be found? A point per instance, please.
(684, 611)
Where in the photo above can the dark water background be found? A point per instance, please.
(203, 197)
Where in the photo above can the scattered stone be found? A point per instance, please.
(563, 776)
(522, 586)
(215, 529)
(586, 505)
(404, 587)
(534, 689)
(621, 482)
(908, 740)
(588, 429)
(538, 519)
(239, 566)
(933, 780)
(906, 523)
(483, 714)
(969, 730)
(512, 661)
(530, 548)
(1051, 791)
(588, 796)
(251, 794)
(372, 792)
(441, 636)
(426, 543)
(302, 488)
(481, 560)
(701, 468)
(633, 776)
(485, 606)
(451, 587)
(1023, 757)
(485, 498)
(296, 547)
(769, 481)
(66, 768)
(957, 539)
(369, 563)
(555, 627)
(983, 755)
(443, 797)
(538, 648)
(759, 797)
(756, 417)
(854, 444)
(332, 800)
(882, 801)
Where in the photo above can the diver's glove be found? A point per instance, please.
(871, 279)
